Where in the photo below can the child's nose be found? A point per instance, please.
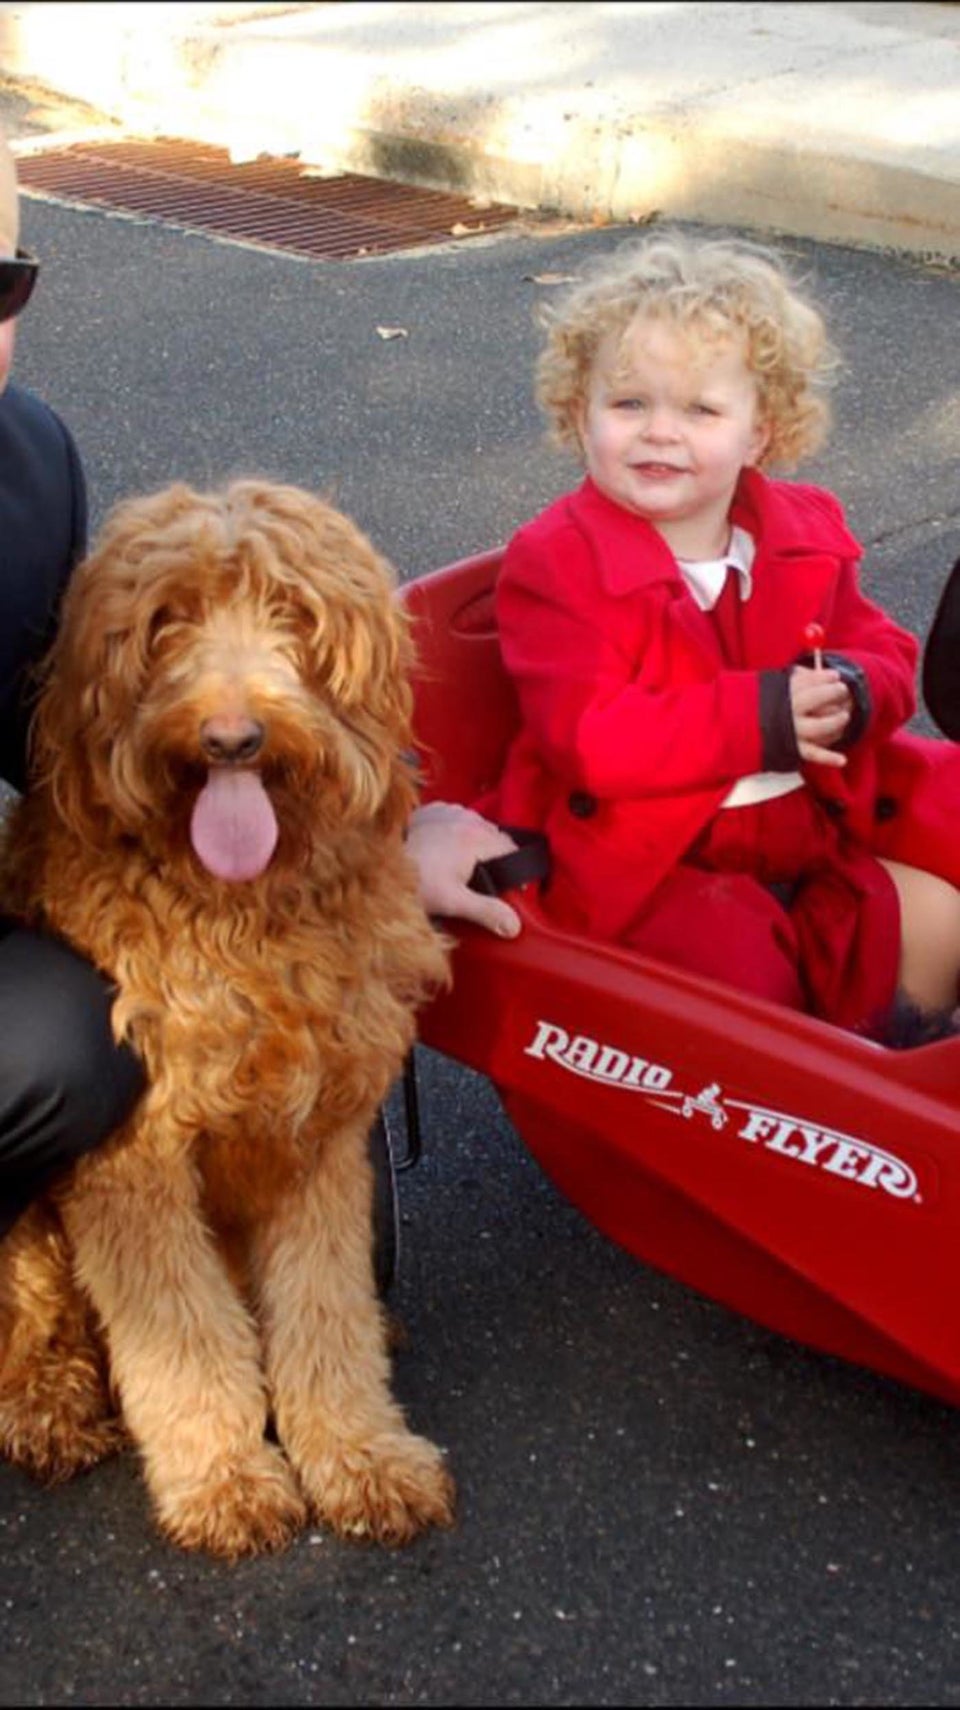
(662, 423)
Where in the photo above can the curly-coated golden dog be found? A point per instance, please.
(217, 822)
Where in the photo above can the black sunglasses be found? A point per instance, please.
(17, 279)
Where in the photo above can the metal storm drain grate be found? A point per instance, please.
(280, 204)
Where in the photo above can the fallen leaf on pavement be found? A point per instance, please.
(550, 278)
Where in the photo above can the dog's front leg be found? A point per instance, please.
(184, 1353)
(363, 1470)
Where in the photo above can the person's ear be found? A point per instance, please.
(9, 203)
(759, 443)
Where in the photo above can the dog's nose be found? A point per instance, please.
(231, 741)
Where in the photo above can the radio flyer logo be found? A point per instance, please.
(847, 1156)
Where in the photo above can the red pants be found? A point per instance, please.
(828, 943)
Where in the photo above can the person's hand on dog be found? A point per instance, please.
(445, 841)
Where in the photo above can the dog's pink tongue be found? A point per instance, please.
(233, 828)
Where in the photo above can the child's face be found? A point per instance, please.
(666, 427)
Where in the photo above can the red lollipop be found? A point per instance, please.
(815, 636)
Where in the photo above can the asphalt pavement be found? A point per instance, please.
(660, 1503)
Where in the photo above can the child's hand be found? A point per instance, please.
(821, 705)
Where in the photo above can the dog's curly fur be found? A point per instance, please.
(210, 1268)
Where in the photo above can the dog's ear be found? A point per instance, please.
(365, 650)
(365, 655)
(369, 658)
(364, 639)
(93, 674)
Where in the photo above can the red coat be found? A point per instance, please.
(625, 699)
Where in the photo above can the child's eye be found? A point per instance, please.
(628, 403)
(704, 410)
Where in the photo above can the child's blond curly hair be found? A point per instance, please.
(712, 289)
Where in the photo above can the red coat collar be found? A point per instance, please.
(783, 517)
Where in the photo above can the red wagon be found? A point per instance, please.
(803, 1176)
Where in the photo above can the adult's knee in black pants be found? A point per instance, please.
(64, 1083)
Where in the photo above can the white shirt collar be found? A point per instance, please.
(705, 576)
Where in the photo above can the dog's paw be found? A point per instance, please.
(242, 1508)
(387, 1489)
(55, 1425)
(52, 1450)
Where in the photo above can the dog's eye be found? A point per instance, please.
(162, 621)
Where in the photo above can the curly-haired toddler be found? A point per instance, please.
(704, 688)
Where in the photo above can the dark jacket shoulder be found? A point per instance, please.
(43, 523)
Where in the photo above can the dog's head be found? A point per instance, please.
(230, 675)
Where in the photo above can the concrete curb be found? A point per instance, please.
(793, 118)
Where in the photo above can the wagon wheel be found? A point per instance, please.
(386, 1217)
(941, 678)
